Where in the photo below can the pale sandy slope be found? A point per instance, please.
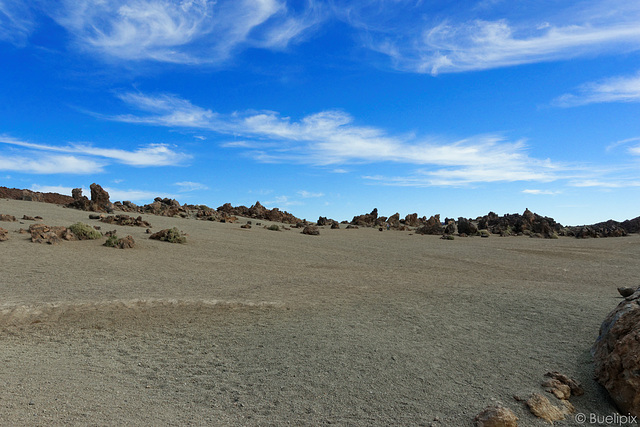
(255, 327)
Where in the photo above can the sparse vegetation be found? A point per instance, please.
(84, 231)
(112, 241)
(273, 228)
(171, 235)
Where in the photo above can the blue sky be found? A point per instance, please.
(328, 108)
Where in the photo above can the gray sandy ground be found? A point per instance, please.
(256, 327)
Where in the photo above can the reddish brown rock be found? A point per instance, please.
(496, 416)
(411, 220)
(432, 226)
(366, 220)
(28, 218)
(311, 230)
(41, 233)
(615, 353)
(125, 220)
(4, 234)
(126, 243)
(7, 218)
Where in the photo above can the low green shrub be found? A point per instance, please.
(112, 241)
(84, 231)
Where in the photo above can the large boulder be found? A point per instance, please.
(616, 354)
(412, 220)
(467, 227)
(311, 230)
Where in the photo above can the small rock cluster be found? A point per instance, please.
(125, 220)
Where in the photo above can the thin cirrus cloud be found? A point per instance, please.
(80, 158)
(614, 89)
(332, 138)
(457, 43)
(16, 21)
(190, 32)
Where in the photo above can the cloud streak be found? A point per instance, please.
(188, 32)
(614, 89)
(150, 155)
(450, 41)
(333, 138)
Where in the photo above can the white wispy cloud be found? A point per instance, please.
(308, 194)
(48, 164)
(16, 21)
(190, 186)
(150, 155)
(542, 192)
(450, 40)
(614, 89)
(190, 32)
(333, 138)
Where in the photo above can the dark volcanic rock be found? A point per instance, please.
(432, 226)
(465, 226)
(311, 230)
(366, 220)
(615, 353)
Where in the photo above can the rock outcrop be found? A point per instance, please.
(432, 226)
(99, 200)
(366, 220)
(615, 353)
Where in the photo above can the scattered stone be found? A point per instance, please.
(245, 226)
(541, 407)
(574, 386)
(615, 353)
(3, 234)
(335, 226)
(110, 233)
(311, 230)
(351, 226)
(95, 216)
(126, 243)
(496, 416)
(7, 218)
(28, 218)
(558, 389)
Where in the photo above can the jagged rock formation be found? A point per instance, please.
(615, 353)
(99, 200)
(432, 226)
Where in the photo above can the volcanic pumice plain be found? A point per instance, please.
(260, 327)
